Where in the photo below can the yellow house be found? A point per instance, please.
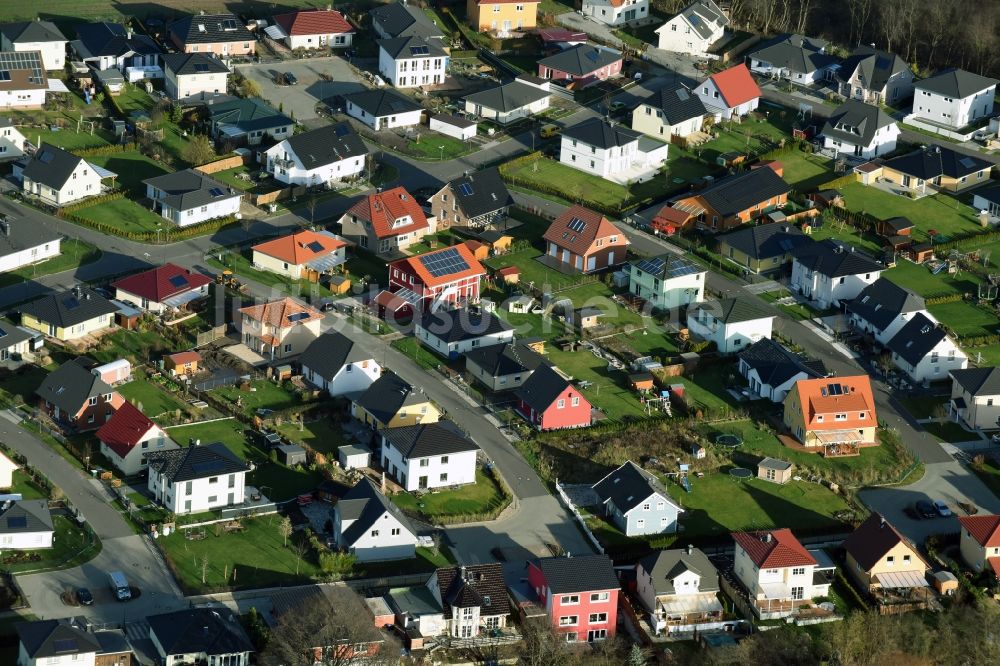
(936, 168)
(836, 415)
(390, 402)
(980, 542)
(69, 315)
(501, 16)
(880, 558)
(762, 248)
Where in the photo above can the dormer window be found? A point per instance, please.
(402, 221)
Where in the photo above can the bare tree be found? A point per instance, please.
(285, 529)
(860, 12)
(543, 646)
(301, 548)
(204, 568)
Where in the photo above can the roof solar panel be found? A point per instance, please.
(216, 192)
(341, 130)
(315, 246)
(178, 281)
(200, 67)
(577, 225)
(64, 645)
(466, 189)
(418, 50)
(653, 265)
(444, 263)
(3, 333)
(208, 466)
(967, 162)
(298, 316)
(15, 522)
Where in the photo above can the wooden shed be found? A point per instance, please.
(339, 284)
(290, 454)
(775, 470)
(509, 274)
(480, 251)
(182, 363)
(641, 381)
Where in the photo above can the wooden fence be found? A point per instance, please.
(224, 164)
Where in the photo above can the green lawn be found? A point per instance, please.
(263, 394)
(420, 354)
(73, 254)
(752, 134)
(124, 215)
(482, 496)
(135, 98)
(70, 139)
(575, 184)
(141, 344)
(72, 545)
(325, 436)
(851, 236)
(966, 318)
(25, 486)
(434, 146)
(919, 279)
(534, 271)
(152, 400)
(243, 267)
(805, 171)
(949, 431)
(554, 7)
(132, 168)
(940, 212)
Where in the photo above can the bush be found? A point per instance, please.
(112, 149)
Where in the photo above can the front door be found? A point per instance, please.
(596, 635)
(422, 483)
(506, 26)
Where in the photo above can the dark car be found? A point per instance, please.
(925, 509)
(290, 79)
(84, 597)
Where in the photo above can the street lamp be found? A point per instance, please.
(442, 152)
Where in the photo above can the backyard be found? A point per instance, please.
(573, 184)
(73, 254)
(942, 213)
(482, 496)
(433, 146)
(149, 398)
(324, 435)
(243, 267)
(263, 394)
(132, 168)
(123, 215)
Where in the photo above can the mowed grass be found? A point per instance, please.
(432, 146)
(966, 319)
(806, 171)
(70, 139)
(132, 168)
(73, 254)
(478, 497)
(150, 398)
(263, 394)
(124, 215)
(942, 213)
(573, 183)
(324, 436)
(919, 279)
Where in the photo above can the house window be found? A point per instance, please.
(444, 460)
(598, 597)
(213, 479)
(444, 478)
(232, 480)
(424, 462)
(645, 507)
(93, 401)
(798, 592)
(568, 620)
(374, 533)
(890, 560)
(640, 523)
(569, 599)
(575, 401)
(212, 499)
(799, 571)
(571, 636)
(560, 403)
(395, 531)
(598, 618)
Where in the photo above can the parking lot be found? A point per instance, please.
(300, 99)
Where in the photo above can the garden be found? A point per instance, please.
(942, 213)
(479, 501)
(73, 254)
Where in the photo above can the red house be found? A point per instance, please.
(449, 275)
(549, 402)
(77, 398)
(580, 66)
(579, 594)
(582, 241)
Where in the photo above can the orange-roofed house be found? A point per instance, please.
(777, 572)
(302, 255)
(279, 329)
(980, 542)
(386, 223)
(314, 29)
(730, 93)
(833, 414)
(582, 241)
(671, 220)
(182, 363)
(450, 275)
(129, 436)
(501, 17)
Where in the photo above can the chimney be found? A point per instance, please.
(461, 572)
(767, 537)
(690, 549)
(128, 33)
(383, 483)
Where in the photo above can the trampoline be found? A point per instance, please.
(730, 440)
(741, 473)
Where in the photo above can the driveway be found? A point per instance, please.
(300, 100)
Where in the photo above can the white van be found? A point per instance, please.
(119, 586)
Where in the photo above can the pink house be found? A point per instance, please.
(579, 594)
(549, 402)
(580, 66)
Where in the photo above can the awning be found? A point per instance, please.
(275, 32)
(689, 207)
(779, 591)
(126, 310)
(326, 263)
(695, 604)
(102, 172)
(183, 298)
(57, 86)
(839, 437)
(408, 295)
(901, 579)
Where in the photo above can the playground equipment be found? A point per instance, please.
(741, 473)
(685, 478)
(729, 440)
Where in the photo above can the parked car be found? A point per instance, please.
(548, 131)
(942, 509)
(925, 509)
(84, 597)
(617, 106)
(290, 79)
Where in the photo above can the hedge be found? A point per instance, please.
(838, 182)
(170, 236)
(946, 298)
(65, 211)
(112, 149)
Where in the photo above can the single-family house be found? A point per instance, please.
(667, 281)
(315, 29)
(924, 351)
(731, 323)
(694, 29)
(875, 77)
(191, 197)
(987, 200)
(547, 401)
(162, 288)
(511, 101)
(182, 364)
(954, 98)
(7, 469)
(56, 643)
(679, 589)
(373, 529)
(478, 199)
(323, 156)
(383, 108)
(412, 62)
(41, 36)
(247, 121)
(503, 367)
(400, 19)
(334, 363)
(860, 130)
(882, 308)
(190, 74)
(129, 436)
(771, 370)
(502, 17)
(828, 273)
(801, 60)
(69, 315)
(880, 559)
(975, 397)
(107, 46)
(428, 455)
(731, 93)
(58, 177)
(446, 277)
(196, 478)
(11, 141)
(615, 12)
(582, 241)
(979, 542)
(15, 342)
(223, 35)
(23, 244)
(613, 152)
(836, 414)
(453, 333)
(473, 597)
(75, 397)
(389, 402)
(25, 525)
(23, 85)
(279, 329)
(579, 595)
(200, 635)
(675, 111)
(386, 222)
(776, 571)
(636, 502)
(762, 248)
(737, 199)
(580, 66)
(936, 168)
(454, 126)
(303, 255)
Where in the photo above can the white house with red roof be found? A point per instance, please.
(279, 329)
(165, 287)
(304, 254)
(313, 29)
(979, 542)
(449, 276)
(386, 223)
(776, 571)
(129, 436)
(730, 93)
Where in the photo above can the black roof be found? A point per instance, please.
(69, 308)
(402, 20)
(876, 67)
(933, 161)
(51, 166)
(775, 365)
(480, 193)
(978, 381)
(882, 301)
(833, 259)
(580, 573)
(428, 439)
(665, 565)
(55, 638)
(326, 145)
(26, 516)
(212, 631)
(765, 241)
(196, 462)
(856, 122)
(27, 32)
(542, 388)
(990, 193)
(955, 83)
(411, 47)
(69, 386)
(796, 53)
(387, 395)
(330, 352)
(461, 324)
(732, 310)
(16, 236)
(111, 39)
(581, 59)
(679, 104)
(629, 486)
(507, 97)
(365, 505)
(382, 102)
(599, 133)
(506, 359)
(193, 63)
(247, 114)
(738, 193)
(210, 29)
(11, 335)
(916, 339)
(190, 188)
(474, 586)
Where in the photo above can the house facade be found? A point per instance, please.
(666, 281)
(383, 109)
(834, 414)
(105, 45)
(223, 35)
(732, 324)
(582, 241)
(279, 329)
(390, 402)
(954, 98)
(612, 152)
(332, 362)
(502, 17)
(190, 197)
(677, 111)
(324, 156)
(58, 177)
(579, 594)
(875, 77)
(373, 529)
(39, 36)
(446, 277)
(427, 456)
(503, 367)
(55, 643)
(732, 93)
(76, 398)
(828, 273)
(162, 288)
(616, 12)
(25, 525)
(69, 315)
(452, 333)
(548, 402)
(190, 74)
(412, 62)
(302, 255)
(924, 351)
(979, 542)
(247, 122)
(777, 572)
(801, 60)
(197, 478)
(636, 502)
(24, 85)
(736, 200)
(975, 397)
(771, 370)
(129, 436)
(694, 29)
(386, 222)
(935, 168)
(880, 558)
(315, 29)
(860, 130)
(473, 599)
(24, 245)
(882, 308)
(580, 66)
(199, 635)
(523, 97)
(762, 248)
(476, 200)
(679, 590)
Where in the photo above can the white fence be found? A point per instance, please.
(579, 518)
(937, 129)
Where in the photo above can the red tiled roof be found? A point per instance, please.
(155, 284)
(279, 313)
(994, 563)
(781, 550)
(416, 265)
(736, 85)
(576, 241)
(384, 208)
(853, 396)
(509, 270)
(984, 529)
(314, 22)
(297, 248)
(125, 429)
(389, 301)
(180, 358)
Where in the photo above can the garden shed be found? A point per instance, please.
(291, 454)
(353, 457)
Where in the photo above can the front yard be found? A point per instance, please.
(243, 267)
(484, 496)
(74, 253)
(125, 216)
(72, 545)
(131, 168)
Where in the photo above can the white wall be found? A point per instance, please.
(602, 11)
(765, 68)
(827, 291)
(135, 460)
(332, 40)
(463, 133)
(930, 368)
(53, 53)
(460, 468)
(505, 117)
(445, 349)
(211, 211)
(670, 293)
(678, 36)
(83, 659)
(648, 119)
(379, 542)
(26, 541)
(32, 255)
(187, 85)
(883, 142)
(597, 160)
(412, 72)
(763, 389)
(296, 174)
(405, 119)
(198, 492)
(352, 377)
(149, 306)
(954, 112)
(83, 183)
(730, 338)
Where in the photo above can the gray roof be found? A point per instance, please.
(480, 193)
(775, 464)
(210, 29)
(601, 134)
(875, 67)
(665, 565)
(330, 352)
(764, 241)
(16, 236)
(11, 335)
(51, 166)
(990, 193)
(27, 32)
(405, 48)
(542, 388)
(189, 189)
(326, 145)
(732, 310)
(506, 359)
(882, 301)
(365, 505)
(387, 395)
(955, 83)
(833, 259)
(461, 324)
(666, 266)
(212, 631)
(401, 20)
(581, 60)
(702, 13)
(678, 104)
(110, 39)
(55, 638)
(196, 462)
(69, 308)
(933, 161)
(26, 516)
(738, 193)
(71, 385)
(507, 97)
(775, 364)
(428, 439)
(856, 122)
(382, 102)
(580, 573)
(916, 339)
(474, 586)
(629, 486)
(192, 63)
(978, 381)
(795, 53)
(247, 115)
